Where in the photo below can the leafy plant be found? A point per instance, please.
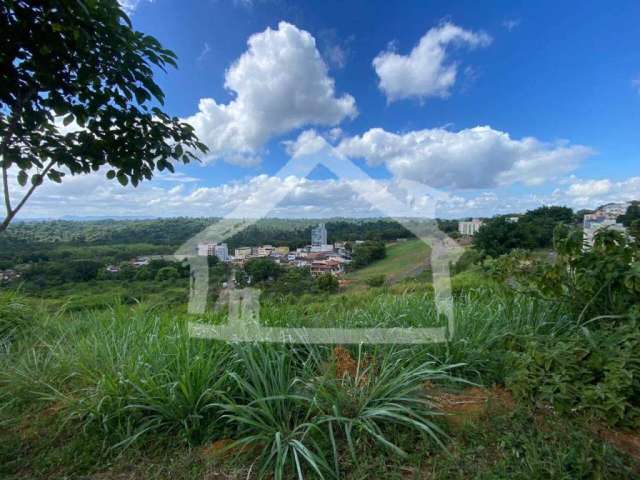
(328, 283)
(598, 283)
(583, 371)
(273, 416)
(130, 374)
(361, 401)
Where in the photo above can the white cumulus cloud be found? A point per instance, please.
(590, 193)
(280, 83)
(478, 157)
(425, 72)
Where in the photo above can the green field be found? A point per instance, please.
(405, 259)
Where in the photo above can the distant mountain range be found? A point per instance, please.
(89, 218)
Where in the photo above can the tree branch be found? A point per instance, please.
(5, 182)
(16, 110)
(13, 213)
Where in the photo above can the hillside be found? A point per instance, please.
(403, 260)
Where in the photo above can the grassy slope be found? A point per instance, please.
(131, 368)
(403, 260)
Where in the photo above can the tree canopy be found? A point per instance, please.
(78, 95)
(533, 230)
(632, 214)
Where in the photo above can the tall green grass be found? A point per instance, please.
(131, 374)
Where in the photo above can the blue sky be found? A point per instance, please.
(507, 106)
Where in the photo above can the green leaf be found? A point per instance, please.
(22, 178)
(68, 119)
(122, 178)
(111, 174)
(55, 176)
(36, 179)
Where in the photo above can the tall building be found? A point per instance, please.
(319, 236)
(219, 250)
(469, 228)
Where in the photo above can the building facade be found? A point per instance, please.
(469, 228)
(319, 236)
(219, 250)
(602, 218)
(242, 253)
(321, 267)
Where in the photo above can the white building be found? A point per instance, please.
(613, 210)
(604, 217)
(469, 228)
(594, 222)
(219, 250)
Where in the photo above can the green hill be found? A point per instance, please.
(403, 260)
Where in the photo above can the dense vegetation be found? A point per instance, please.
(556, 351)
(58, 258)
(532, 230)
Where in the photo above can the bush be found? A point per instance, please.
(600, 283)
(366, 396)
(293, 281)
(273, 417)
(167, 273)
(328, 283)
(596, 373)
(132, 373)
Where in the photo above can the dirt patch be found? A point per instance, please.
(471, 403)
(346, 366)
(627, 442)
(218, 449)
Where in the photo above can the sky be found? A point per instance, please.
(323, 109)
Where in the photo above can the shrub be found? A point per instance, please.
(366, 396)
(262, 269)
(328, 283)
(602, 282)
(167, 273)
(129, 373)
(273, 417)
(367, 252)
(596, 373)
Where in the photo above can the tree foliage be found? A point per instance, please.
(534, 229)
(328, 283)
(77, 95)
(602, 282)
(262, 269)
(631, 215)
(367, 252)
